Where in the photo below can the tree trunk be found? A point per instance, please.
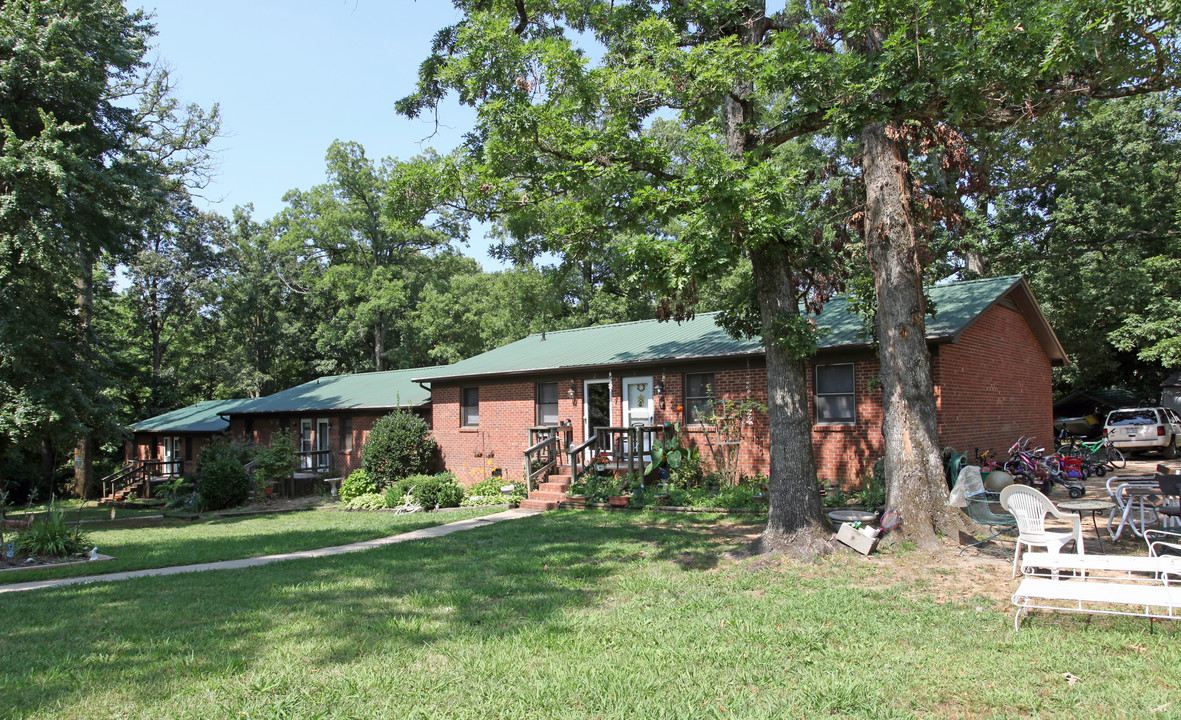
(84, 452)
(793, 518)
(794, 522)
(914, 461)
(379, 346)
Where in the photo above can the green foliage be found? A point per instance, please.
(433, 491)
(276, 461)
(50, 535)
(741, 496)
(669, 451)
(359, 482)
(1091, 216)
(691, 473)
(596, 489)
(400, 444)
(222, 480)
(873, 486)
(488, 492)
(365, 501)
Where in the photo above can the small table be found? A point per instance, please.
(1093, 507)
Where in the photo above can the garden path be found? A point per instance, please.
(420, 534)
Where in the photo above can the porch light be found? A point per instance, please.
(572, 388)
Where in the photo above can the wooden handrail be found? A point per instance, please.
(552, 444)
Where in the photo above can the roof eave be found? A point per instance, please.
(584, 368)
(289, 411)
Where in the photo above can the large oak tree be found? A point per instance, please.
(571, 97)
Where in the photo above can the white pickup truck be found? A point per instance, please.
(1142, 429)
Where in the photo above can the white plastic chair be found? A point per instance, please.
(1030, 507)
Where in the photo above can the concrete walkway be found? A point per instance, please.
(422, 534)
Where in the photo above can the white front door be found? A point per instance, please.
(637, 404)
(323, 455)
(305, 443)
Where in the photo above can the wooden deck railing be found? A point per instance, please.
(140, 472)
(314, 461)
(626, 448)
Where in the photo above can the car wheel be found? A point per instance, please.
(1170, 452)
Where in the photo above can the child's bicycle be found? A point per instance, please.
(1099, 453)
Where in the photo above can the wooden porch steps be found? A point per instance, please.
(550, 493)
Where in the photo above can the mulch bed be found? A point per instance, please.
(22, 562)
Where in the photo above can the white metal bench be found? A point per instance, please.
(1147, 587)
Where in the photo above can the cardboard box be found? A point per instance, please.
(856, 539)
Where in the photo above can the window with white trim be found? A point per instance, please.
(836, 399)
(547, 403)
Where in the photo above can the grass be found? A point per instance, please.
(75, 510)
(569, 615)
(152, 544)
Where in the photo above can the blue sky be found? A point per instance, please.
(291, 77)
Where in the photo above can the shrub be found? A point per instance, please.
(357, 483)
(395, 494)
(399, 445)
(365, 501)
(488, 492)
(438, 491)
(50, 535)
(222, 480)
(276, 461)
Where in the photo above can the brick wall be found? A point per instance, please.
(263, 428)
(994, 386)
(507, 409)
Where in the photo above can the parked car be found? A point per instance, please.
(1140, 429)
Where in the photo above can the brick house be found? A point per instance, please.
(172, 441)
(992, 353)
(329, 419)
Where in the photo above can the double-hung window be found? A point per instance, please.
(835, 396)
(469, 407)
(699, 396)
(547, 403)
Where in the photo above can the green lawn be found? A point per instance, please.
(75, 510)
(571, 615)
(181, 542)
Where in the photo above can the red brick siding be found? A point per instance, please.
(991, 386)
(994, 386)
(343, 461)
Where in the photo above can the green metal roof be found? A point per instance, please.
(956, 305)
(360, 391)
(203, 417)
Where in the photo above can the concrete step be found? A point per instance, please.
(539, 504)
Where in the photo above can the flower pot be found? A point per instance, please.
(618, 500)
(269, 490)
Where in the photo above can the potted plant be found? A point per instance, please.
(600, 462)
(619, 496)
